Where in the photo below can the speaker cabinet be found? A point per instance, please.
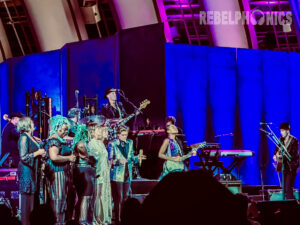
(90, 14)
(234, 186)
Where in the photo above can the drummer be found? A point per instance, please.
(73, 117)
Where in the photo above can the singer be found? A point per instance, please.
(120, 154)
(28, 169)
(290, 168)
(103, 203)
(113, 109)
(58, 165)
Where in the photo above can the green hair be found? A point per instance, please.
(57, 122)
(81, 134)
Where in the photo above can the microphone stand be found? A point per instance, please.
(133, 105)
(262, 182)
(284, 151)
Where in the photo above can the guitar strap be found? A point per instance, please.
(119, 110)
(288, 143)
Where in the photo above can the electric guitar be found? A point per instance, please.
(173, 166)
(114, 124)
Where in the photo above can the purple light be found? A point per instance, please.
(182, 6)
(268, 2)
(184, 16)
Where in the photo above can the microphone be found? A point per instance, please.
(76, 95)
(262, 123)
(140, 159)
(268, 133)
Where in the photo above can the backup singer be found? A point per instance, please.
(113, 109)
(290, 168)
(58, 165)
(84, 181)
(103, 204)
(120, 153)
(28, 169)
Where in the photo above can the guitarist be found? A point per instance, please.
(290, 168)
(113, 109)
(170, 150)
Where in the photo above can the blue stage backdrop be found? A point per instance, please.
(4, 86)
(91, 66)
(215, 91)
(38, 71)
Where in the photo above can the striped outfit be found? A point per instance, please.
(58, 175)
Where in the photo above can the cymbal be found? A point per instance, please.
(93, 119)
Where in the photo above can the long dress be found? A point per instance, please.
(58, 176)
(84, 181)
(103, 201)
(28, 175)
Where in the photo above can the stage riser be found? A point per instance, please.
(142, 186)
(279, 212)
(276, 195)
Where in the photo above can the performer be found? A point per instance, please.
(147, 124)
(121, 156)
(103, 204)
(171, 120)
(10, 137)
(113, 109)
(180, 137)
(58, 165)
(73, 116)
(83, 177)
(290, 168)
(28, 169)
(170, 150)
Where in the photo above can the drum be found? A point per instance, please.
(99, 119)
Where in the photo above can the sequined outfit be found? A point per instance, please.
(28, 174)
(103, 201)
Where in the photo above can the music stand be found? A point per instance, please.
(4, 158)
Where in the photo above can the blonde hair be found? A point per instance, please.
(92, 129)
(25, 125)
(122, 128)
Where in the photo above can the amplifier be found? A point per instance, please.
(9, 189)
(234, 186)
(276, 194)
(8, 174)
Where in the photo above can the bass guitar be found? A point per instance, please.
(173, 166)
